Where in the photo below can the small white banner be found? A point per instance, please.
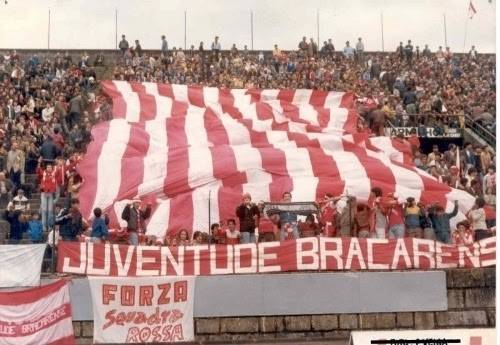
(20, 264)
(143, 309)
(474, 336)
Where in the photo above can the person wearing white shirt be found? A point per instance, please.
(47, 112)
(216, 44)
(348, 51)
(477, 218)
(360, 48)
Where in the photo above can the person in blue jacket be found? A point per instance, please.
(99, 227)
(35, 228)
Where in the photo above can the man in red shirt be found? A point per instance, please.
(395, 219)
(47, 188)
(60, 172)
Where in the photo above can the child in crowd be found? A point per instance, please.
(232, 234)
(309, 228)
(35, 228)
(214, 233)
(463, 235)
(198, 238)
(99, 228)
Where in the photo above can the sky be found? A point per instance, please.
(90, 24)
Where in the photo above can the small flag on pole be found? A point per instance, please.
(472, 10)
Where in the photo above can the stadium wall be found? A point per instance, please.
(470, 299)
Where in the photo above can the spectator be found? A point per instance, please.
(164, 45)
(74, 184)
(35, 228)
(312, 48)
(58, 140)
(198, 238)
(395, 219)
(70, 221)
(76, 106)
(348, 51)
(477, 218)
(412, 215)
(486, 159)
(276, 52)
(16, 156)
(123, 45)
(426, 223)
(18, 224)
(331, 47)
(360, 49)
(344, 218)
(248, 214)
(379, 213)
(216, 46)
(6, 187)
(183, 238)
(473, 53)
(135, 218)
(214, 233)
(462, 236)
(427, 52)
(19, 202)
(409, 52)
(48, 151)
(99, 232)
(232, 235)
(362, 222)
(400, 51)
(441, 221)
(137, 49)
(309, 228)
(60, 174)
(303, 45)
(48, 186)
(288, 221)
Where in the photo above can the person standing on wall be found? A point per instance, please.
(135, 217)
(248, 214)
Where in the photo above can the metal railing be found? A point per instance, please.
(488, 136)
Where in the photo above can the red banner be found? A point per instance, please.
(306, 254)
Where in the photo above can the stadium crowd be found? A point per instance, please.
(48, 107)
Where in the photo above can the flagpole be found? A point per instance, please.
(382, 28)
(466, 26)
(185, 29)
(209, 216)
(445, 34)
(48, 33)
(251, 28)
(116, 29)
(317, 27)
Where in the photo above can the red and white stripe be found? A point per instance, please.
(40, 315)
(177, 145)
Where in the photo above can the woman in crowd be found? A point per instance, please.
(477, 218)
(183, 238)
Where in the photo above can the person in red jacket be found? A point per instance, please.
(60, 172)
(48, 186)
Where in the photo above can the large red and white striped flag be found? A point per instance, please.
(176, 145)
(40, 315)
